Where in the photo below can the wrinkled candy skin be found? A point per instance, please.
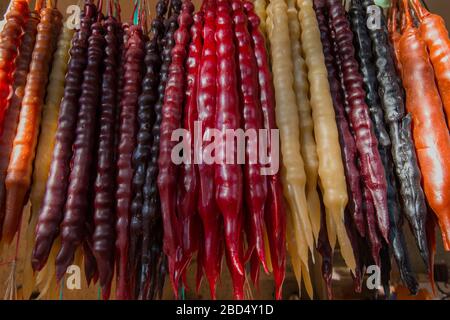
(77, 204)
(324, 249)
(372, 170)
(206, 109)
(18, 178)
(167, 170)
(133, 74)
(51, 212)
(143, 152)
(435, 34)
(189, 188)
(228, 177)
(373, 239)
(431, 135)
(151, 205)
(368, 70)
(10, 39)
(348, 146)
(407, 172)
(104, 201)
(15, 104)
(275, 215)
(255, 184)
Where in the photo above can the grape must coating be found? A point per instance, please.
(331, 169)
(255, 183)
(46, 142)
(372, 170)
(12, 114)
(171, 120)
(307, 141)
(368, 70)
(434, 33)
(104, 215)
(275, 216)
(142, 153)
(228, 177)
(188, 190)
(206, 109)
(51, 212)
(75, 211)
(134, 59)
(348, 146)
(431, 135)
(18, 178)
(287, 121)
(10, 39)
(151, 204)
(404, 157)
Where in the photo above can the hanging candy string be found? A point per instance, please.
(118, 12)
(140, 13)
(135, 16)
(148, 10)
(143, 17)
(110, 8)
(100, 7)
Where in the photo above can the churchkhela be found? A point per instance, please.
(117, 134)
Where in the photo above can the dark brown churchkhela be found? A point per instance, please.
(77, 204)
(142, 152)
(151, 215)
(104, 201)
(399, 125)
(51, 212)
(364, 54)
(372, 171)
(368, 70)
(122, 37)
(133, 74)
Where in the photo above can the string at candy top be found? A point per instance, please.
(118, 10)
(110, 8)
(421, 11)
(135, 15)
(392, 21)
(148, 9)
(99, 10)
(407, 16)
(144, 8)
